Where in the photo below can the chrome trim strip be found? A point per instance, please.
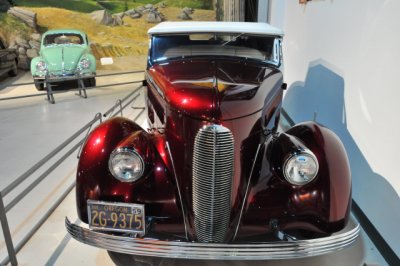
(194, 250)
(179, 191)
(247, 191)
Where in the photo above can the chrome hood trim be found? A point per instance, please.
(235, 251)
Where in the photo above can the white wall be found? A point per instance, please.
(342, 62)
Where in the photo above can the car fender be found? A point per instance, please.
(34, 61)
(92, 67)
(333, 181)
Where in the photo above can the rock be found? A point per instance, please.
(184, 16)
(31, 53)
(162, 5)
(121, 15)
(130, 12)
(34, 44)
(26, 16)
(146, 11)
(140, 9)
(102, 17)
(148, 6)
(12, 43)
(21, 51)
(24, 62)
(22, 42)
(136, 15)
(154, 17)
(36, 37)
(117, 21)
(188, 10)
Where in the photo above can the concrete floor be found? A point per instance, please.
(30, 128)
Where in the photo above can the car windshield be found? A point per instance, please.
(262, 48)
(63, 38)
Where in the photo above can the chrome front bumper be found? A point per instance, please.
(193, 250)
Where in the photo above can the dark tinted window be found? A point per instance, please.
(212, 44)
(63, 38)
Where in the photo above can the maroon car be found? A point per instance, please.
(212, 176)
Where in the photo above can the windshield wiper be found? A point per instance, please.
(233, 39)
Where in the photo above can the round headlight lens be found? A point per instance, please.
(126, 165)
(41, 66)
(300, 169)
(84, 63)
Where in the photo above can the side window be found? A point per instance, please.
(2, 45)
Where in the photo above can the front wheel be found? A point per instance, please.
(14, 70)
(39, 86)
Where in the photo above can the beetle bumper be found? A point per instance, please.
(234, 251)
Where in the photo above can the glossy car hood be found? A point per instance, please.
(62, 57)
(210, 89)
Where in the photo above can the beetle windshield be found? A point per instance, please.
(262, 48)
(63, 38)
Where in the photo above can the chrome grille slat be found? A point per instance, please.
(212, 182)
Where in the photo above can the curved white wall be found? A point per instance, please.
(342, 62)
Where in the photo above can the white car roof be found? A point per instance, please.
(215, 26)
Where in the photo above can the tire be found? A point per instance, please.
(14, 71)
(90, 82)
(39, 86)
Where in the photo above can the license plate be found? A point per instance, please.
(120, 217)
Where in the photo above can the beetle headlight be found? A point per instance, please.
(41, 66)
(301, 168)
(84, 63)
(126, 165)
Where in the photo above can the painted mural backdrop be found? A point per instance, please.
(116, 28)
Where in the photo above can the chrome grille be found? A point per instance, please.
(212, 182)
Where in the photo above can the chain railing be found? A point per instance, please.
(13, 250)
(81, 89)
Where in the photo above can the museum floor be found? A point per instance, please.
(32, 127)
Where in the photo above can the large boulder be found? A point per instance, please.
(117, 20)
(140, 9)
(154, 16)
(22, 42)
(21, 51)
(133, 13)
(34, 44)
(102, 17)
(188, 10)
(184, 16)
(32, 53)
(36, 37)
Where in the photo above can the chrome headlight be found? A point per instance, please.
(84, 63)
(41, 66)
(301, 168)
(126, 165)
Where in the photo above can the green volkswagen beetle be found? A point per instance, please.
(64, 54)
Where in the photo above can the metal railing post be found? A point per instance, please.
(82, 88)
(50, 96)
(6, 232)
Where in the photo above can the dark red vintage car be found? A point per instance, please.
(213, 176)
